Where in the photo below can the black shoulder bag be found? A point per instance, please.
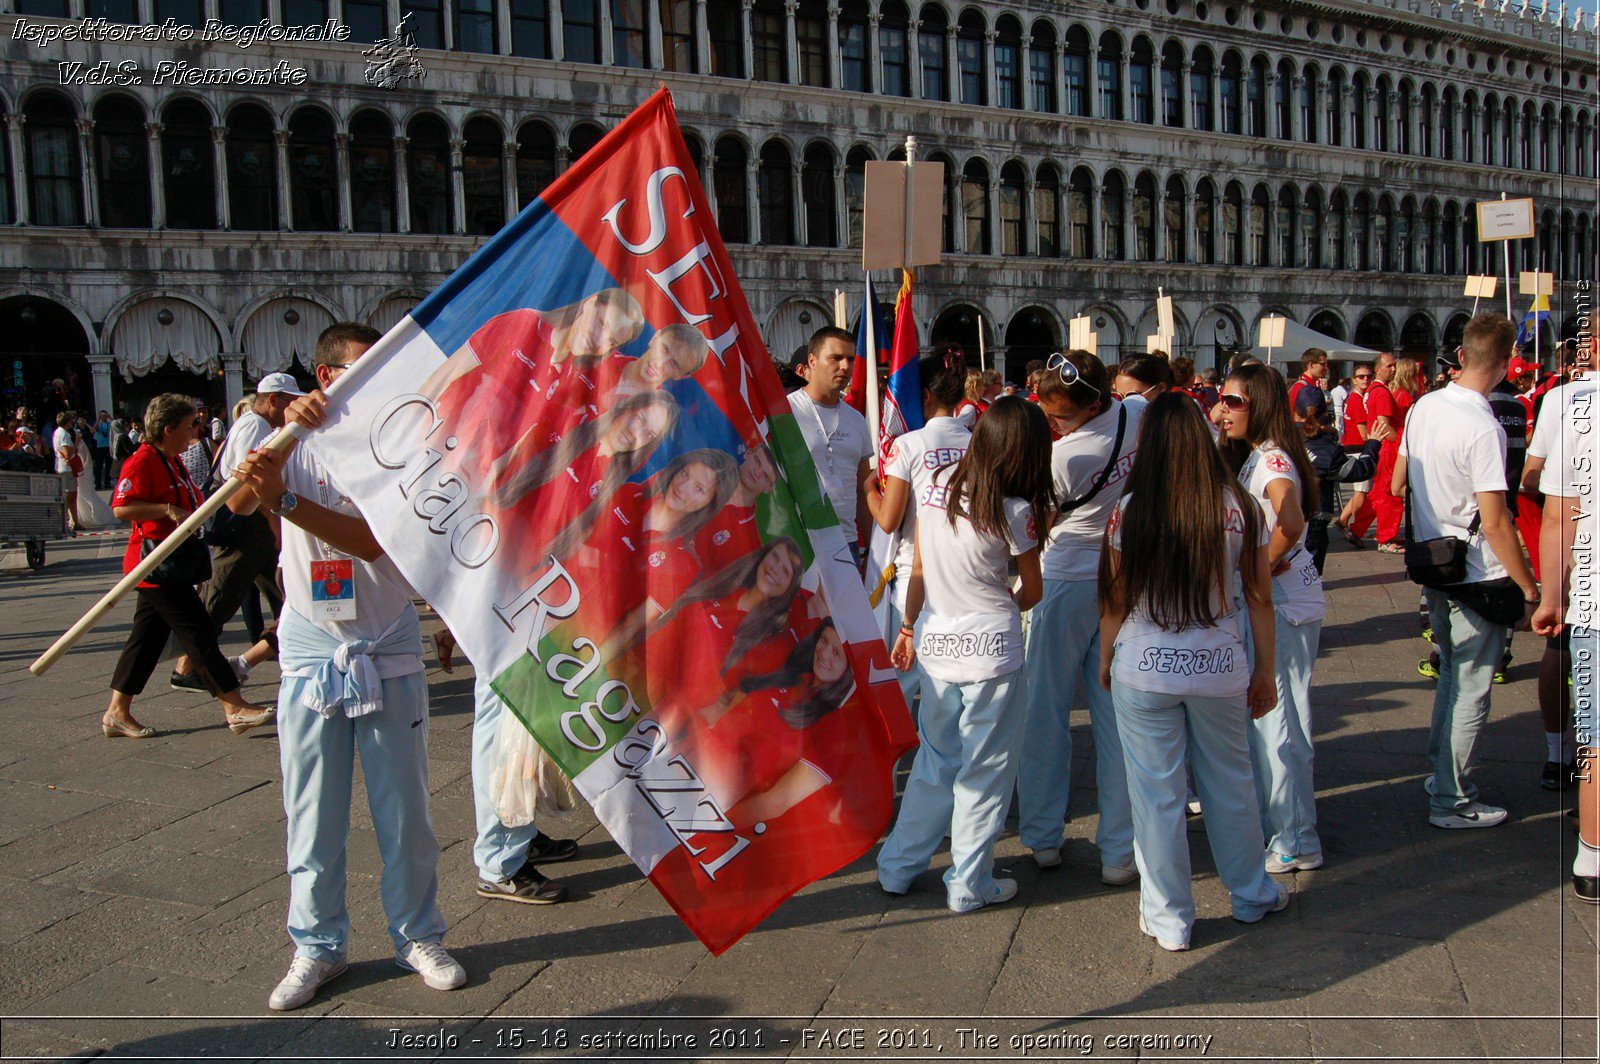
(191, 562)
(1441, 564)
(1105, 474)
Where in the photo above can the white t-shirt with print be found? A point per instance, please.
(970, 627)
(1195, 661)
(61, 440)
(914, 457)
(1565, 436)
(1454, 448)
(248, 433)
(838, 440)
(1297, 592)
(1076, 459)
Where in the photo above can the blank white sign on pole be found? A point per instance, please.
(1078, 332)
(1530, 283)
(884, 235)
(1272, 330)
(1480, 287)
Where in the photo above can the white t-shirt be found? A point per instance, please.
(914, 457)
(1565, 437)
(838, 440)
(1297, 592)
(248, 433)
(1454, 448)
(1195, 661)
(970, 628)
(61, 440)
(1336, 399)
(382, 594)
(1076, 459)
(967, 414)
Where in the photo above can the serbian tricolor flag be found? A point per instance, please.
(879, 338)
(578, 452)
(902, 406)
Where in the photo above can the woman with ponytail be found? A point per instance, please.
(1184, 558)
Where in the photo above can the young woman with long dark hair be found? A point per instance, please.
(1267, 450)
(1173, 656)
(963, 626)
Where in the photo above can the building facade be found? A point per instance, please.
(184, 213)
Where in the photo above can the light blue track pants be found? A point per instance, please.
(1064, 658)
(500, 851)
(960, 782)
(1280, 747)
(1469, 652)
(318, 758)
(1157, 730)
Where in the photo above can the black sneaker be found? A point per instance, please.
(527, 887)
(189, 682)
(545, 850)
(1556, 776)
(1586, 888)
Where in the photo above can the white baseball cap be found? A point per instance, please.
(278, 384)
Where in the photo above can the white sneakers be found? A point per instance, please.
(1166, 944)
(1048, 858)
(1472, 815)
(1117, 876)
(305, 978)
(1004, 890)
(1279, 864)
(307, 974)
(429, 960)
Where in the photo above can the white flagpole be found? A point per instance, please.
(983, 348)
(1505, 246)
(873, 398)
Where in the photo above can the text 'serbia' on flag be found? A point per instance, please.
(577, 450)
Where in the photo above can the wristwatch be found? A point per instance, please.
(286, 504)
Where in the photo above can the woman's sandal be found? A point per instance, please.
(243, 722)
(117, 729)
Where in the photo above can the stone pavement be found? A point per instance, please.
(144, 895)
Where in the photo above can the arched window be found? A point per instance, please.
(475, 28)
(725, 26)
(1111, 216)
(580, 138)
(1080, 216)
(931, 52)
(1141, 81)
(530, 28)
(627, 33)
(893, 49)
(1076, 72)
(816, 184)
(1427, 238)
(1172, 85)
(424, 17)
(1564, 144)
(1508, 123)
(122, 163)
(1174, 232)
(697, 157)
(1383, 235)
(55, 175)
(580, 30)
(428, 175)
(252, 169)
(188, 170)
(1380, 119)
(1310, 230)
(1284, 225)
(1200, 101)
(1405, 93)
(1013, 182)
(1451, 242)
(1256, 97)
(1205, 227)
(1283, 100)
(1585, 139)
(1335, 232)
(855, 193)
(1233, 225)
(1335, 108)
(729, 174)
(1529, 130)
(951, 205)
(1008, 62)
(811, 40)
(970, 58)
(536, 160)
(1260, 219)
(1310, 87)
(1359, 113)
(1047, 211)
(482, 177)
(1546, 137)
(1361, 231)
(855, 67)
(1042, 67)
(1144, 218)
(372, 173)
(776, 194)
(1406, 227)
(1230, 92)
(313, 175)
(1428, 119)
(1108, 78)
(975, 207)
(769, 41)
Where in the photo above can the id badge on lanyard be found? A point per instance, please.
(333, 582)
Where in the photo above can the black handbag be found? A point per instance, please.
(191, 562)
(1497, 601)
(1436, 563)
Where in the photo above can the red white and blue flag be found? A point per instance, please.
(902, 407)
(577, 450)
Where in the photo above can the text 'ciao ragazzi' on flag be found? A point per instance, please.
(578, 452)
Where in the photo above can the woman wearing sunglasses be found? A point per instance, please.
(1089, 464)
(1262, 444)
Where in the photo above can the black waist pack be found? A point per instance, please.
(1496, 601)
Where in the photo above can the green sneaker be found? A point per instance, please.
(1427, 668)
(1500, 676)
(1427, 635)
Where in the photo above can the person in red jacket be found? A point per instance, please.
(1381, 410)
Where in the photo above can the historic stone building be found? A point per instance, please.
(172, 223)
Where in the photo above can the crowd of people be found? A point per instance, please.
(1144, 536)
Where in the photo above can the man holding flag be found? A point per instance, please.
(835, 433)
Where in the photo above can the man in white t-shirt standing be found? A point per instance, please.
(835, 433)
(1453, 456)
(1565, 437)
(351, 653)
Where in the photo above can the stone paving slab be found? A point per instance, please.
(142, 887)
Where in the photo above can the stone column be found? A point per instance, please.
(914, 57)
(711, 185)
(285, 206)
(158, 199)
(958, 213)
(749, 40)
(1273, 131)
(508, 167)
(91, 187)
(841, 212)
(655, 45)
(1127, 88)
(342, 172)
(1391, 115)
(702, 39)
(100, 371)
(402, 175)
(558, 33)
(952, 65)
(797, 190)
(14, 124)
(233, 376)
(1158, 225)
(607, 50)
(563, 158)
(1186, 93)
(458, 192)
(1030, 213)
(1419, 139)
(1097, 237)
(835, 71)
(1191, 227)
(1297, 131)
(874, 53)
(993, 78)
(219, 165)
(502, 24)
(791, 42)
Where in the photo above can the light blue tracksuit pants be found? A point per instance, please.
(1469, 652)
(1157, 730)
(318, 758)
(960, 782)
(1280, 747)
(1064, 653)
(500, 851)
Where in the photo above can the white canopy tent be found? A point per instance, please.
(1296, 338)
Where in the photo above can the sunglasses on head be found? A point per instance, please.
(1233, 401)
(1068, 371)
